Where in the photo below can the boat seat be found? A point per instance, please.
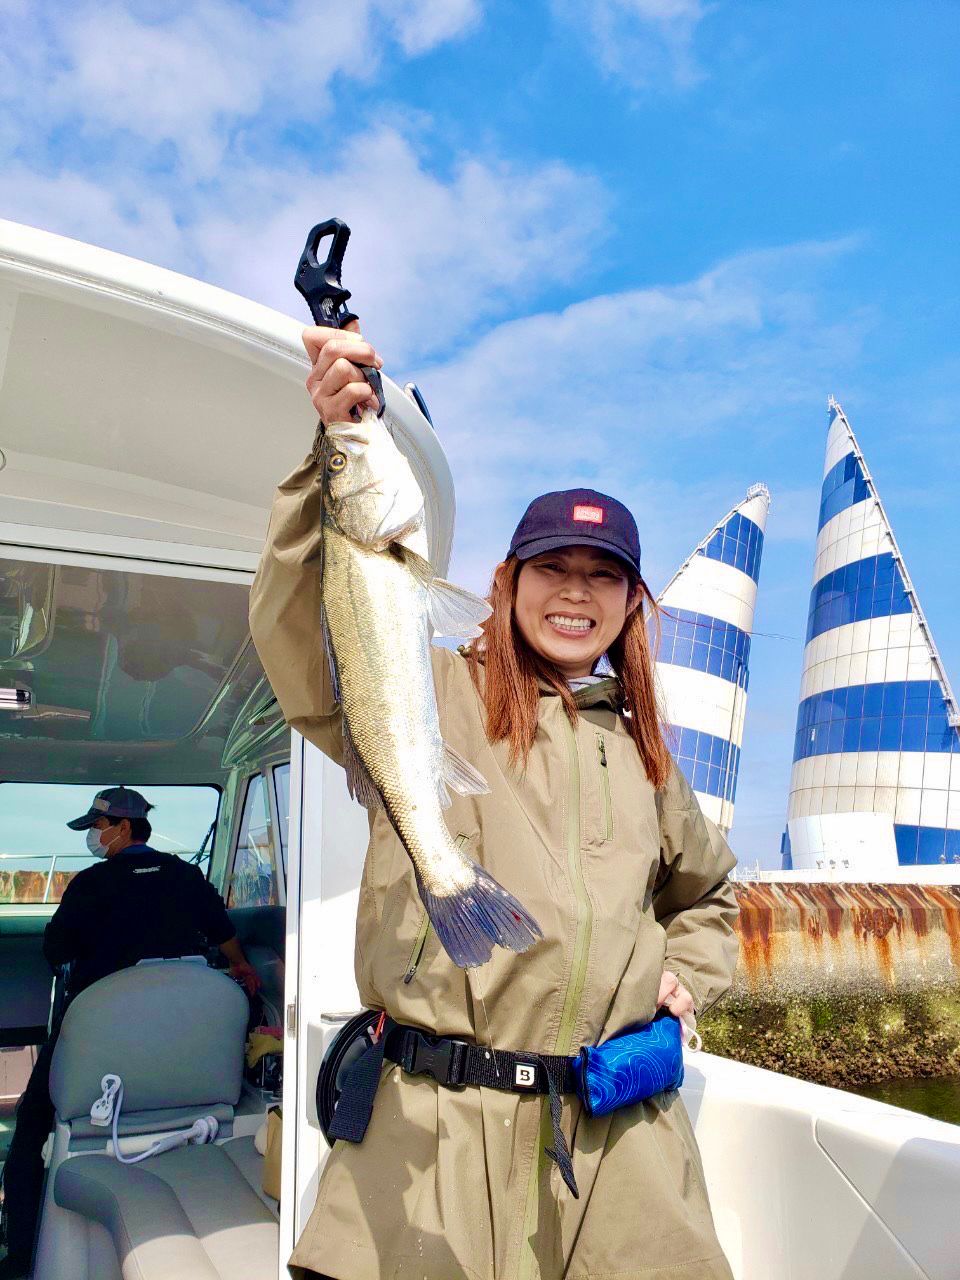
(174, 1031)
(188, 1213)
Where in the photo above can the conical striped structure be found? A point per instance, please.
(704, 655)
(876, 772)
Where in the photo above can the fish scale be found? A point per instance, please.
(379, 599)
(376, 615)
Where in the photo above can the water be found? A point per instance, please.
(937, 1098)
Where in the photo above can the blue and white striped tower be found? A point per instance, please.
(876, 773)
(704, 656)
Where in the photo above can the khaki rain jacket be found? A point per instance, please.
(623, 881)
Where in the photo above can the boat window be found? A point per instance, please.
(40, 855)
(281, 780)
(254, 879)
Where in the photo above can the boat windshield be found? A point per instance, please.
(39, 855)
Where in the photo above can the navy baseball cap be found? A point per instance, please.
(577, 517)
(112, 802)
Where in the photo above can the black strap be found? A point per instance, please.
(560, 1152)
(355, 1104)
(455, 1064)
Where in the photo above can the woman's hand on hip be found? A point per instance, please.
(334, 382)
(674, 996)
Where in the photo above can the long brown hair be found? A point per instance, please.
(513, 673)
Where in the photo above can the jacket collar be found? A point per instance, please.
(602, 693)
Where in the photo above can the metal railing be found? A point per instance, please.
(50, 861)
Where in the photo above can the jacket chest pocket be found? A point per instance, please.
(416, 953)
(596, 790)
(606, 799)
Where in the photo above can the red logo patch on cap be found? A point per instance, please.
(588, 515)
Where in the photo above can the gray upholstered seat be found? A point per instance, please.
(188, 1214)
(174, 1032)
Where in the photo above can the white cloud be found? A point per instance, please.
(193, 76)
(126, 217)
(644, 42)
(160, 132)
(631, 393)
(431, 257)
(422, 24)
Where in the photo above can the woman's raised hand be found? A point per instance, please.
(334, 382)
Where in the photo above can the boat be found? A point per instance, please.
(145, 419)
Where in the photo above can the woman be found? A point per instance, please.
(590, 824)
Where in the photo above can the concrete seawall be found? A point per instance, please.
(844, 983)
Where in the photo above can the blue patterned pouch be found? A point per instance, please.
(630, 1067)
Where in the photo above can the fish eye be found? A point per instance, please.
(337, 462)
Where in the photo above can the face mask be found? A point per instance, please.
(94, 845)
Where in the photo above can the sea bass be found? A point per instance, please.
(380, 599)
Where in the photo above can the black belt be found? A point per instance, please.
(455, 1064)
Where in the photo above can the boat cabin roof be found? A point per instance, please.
(145, 420)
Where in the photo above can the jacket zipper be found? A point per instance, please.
(605, 789)
(572, 996)
(416, 955)
(581, 946)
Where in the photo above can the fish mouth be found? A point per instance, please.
(570, 624)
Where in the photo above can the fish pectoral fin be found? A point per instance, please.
(453, 610)
(414, 542)
(460, 775)
(359, 783)
(398, 522)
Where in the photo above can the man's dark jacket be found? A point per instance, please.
(139, 904)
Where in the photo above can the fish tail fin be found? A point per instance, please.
(470, 923)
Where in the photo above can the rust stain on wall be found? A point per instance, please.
(802, 935)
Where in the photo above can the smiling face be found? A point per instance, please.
(572, 604)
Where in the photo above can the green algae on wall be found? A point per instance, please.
(844, 984)
(841, 1040)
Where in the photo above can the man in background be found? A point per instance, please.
(134, 904)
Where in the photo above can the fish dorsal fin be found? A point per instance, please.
(453, 610)
(460, 775)
(359, 783)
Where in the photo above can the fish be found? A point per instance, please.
(380, 601)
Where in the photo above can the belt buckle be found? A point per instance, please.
(445, 1060)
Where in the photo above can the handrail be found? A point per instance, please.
(52, 858)
(84, 856)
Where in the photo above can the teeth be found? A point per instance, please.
(575, 626)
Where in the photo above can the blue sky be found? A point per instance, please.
(627, 243)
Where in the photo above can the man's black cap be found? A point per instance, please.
(113, 802)
(577, 517)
